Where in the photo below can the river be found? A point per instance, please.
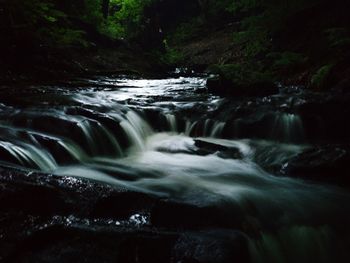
(170, 138)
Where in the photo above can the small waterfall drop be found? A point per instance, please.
(100, 140)
(171, 119)
(217, 129)
(287, 127)
(136, 129)
(29, 155)
(190, 127)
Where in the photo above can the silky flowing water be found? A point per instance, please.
(144, 134)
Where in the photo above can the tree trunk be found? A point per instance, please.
(105, 8)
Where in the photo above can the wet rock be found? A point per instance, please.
(33, 199)
(328, 163)
(45, 218)
(176, 215)
(34, 193)
(211, 247)
(206, 148)
(103, 244)
(122, 205)
(81, 243)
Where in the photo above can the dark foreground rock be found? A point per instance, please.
(328, 163)
(45, 218)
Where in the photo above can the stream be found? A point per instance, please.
(171, 139)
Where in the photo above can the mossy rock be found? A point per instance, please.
(239, 80)
(321, 79)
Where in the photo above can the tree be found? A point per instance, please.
(105, 8)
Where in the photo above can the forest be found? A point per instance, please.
(174, 131)
(298, 41)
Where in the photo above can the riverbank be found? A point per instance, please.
(306, 44)
(47, 64)
(48, 40)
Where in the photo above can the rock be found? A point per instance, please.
(328, 163)
(33, 199)
(212, 247)
(326, 117)
(46, 218)
(122, 205)
(92, 243)
(221, 85)
(176, 215)
(206, 148)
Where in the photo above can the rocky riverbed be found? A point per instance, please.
(113, 169)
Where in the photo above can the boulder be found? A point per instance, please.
(232, 83)
(226, 152)
(328, 163)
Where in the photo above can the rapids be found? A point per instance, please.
(170, 138)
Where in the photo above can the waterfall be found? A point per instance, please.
(74, 150)
(30, 156)
(171, 119)
(287, 127)
(100, 140)
(87, 131)
(217, 129)
(189, 127)
(207, 126)
(136, 129)
(277, 126)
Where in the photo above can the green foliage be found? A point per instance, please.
(128, 21)
(91, 12)
(253, 41)
(215, 7)
(338, 37)
(242, 74)
(319, 79)
(186, 31)
(112, 30)
(287, 59)
(49, 23)
(241, 5)
(172, 57)
(68, 37)
(35, 11)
